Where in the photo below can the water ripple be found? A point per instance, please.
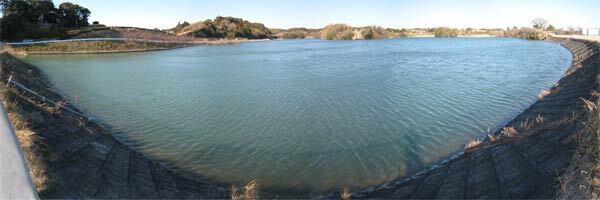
(309, 114)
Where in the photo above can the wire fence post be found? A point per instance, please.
(57, 105)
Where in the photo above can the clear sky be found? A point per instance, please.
(319, 13)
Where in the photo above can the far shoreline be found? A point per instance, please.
(17, 50)
(22, 49)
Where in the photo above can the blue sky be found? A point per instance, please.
(319, 13)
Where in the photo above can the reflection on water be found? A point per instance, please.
(309, 114)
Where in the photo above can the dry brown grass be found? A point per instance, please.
(153, 35)
(589, 105)
(94, 46)
(492, 138)
(472, 145)
(32, 148)
(539, 119)
(582, 179)
(59, 105)
(31, 143)
(531, 127)
(56, 108)
(345, 194)
(8, 49)
(509, 131)
(249, 192)
(543, 94)
(527, 124)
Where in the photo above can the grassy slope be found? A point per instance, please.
(96, 46)
(23, 122)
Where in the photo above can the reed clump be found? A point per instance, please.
(543, 94)
(471, 145)
(582, 179)
(509, 131)
(345, 194)
(249, 192)
(492, 138)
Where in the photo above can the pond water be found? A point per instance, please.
(309, 114)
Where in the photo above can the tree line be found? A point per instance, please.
(35, 19)
(224, 27)
(346, 32)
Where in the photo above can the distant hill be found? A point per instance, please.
(223, 27)
(296, 33)
(345, 32)
(231, 27)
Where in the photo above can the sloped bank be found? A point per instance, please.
(81, 158)
(525, 158)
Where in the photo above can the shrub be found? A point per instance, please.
(337, 32)
(374, 32)
(531, 34)
(509, 131)
(329, 35)
(224, 27)
(347, 35)
(249, 192)
(445, 32)
(293, 35)
(526, 33)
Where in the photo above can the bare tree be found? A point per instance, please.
(574, 31)
(540, 23)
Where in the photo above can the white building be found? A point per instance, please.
(590, 31)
